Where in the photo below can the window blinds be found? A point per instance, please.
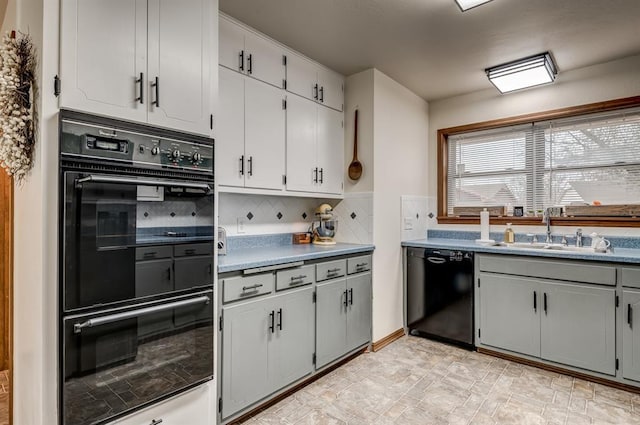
(580, 159)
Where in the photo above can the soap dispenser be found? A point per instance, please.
(509, 234)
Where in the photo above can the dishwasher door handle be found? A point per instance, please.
(436, 260)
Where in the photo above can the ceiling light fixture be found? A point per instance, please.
(523, 73)
(470, 4)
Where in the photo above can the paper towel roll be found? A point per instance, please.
(484, 225)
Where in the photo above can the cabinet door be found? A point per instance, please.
(230, 140)
(245, 341)
(331, 89)
(264, 60)
(509, 313)
(331, 321)
(180, 49)
(231, 45)
(291, 351)
(359, 310)
(302, 76)
(193, 272)
(330, 149)
(103, 51)
(631, 335)
(578, 326)
(264, 135)
(301, 144)
(194, 407)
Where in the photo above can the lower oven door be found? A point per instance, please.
(119, 360)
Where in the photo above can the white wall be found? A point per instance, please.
(400, 129)
(35, 263)
(612, 80)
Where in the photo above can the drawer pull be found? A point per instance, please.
(272, 320)
(150, 254)
(630, 315)
(301, 277)
(336, 270)
(346, 298)
(351, 296)
(190, 251)
(361, 265)
(280, 319)
(156, 422)
(252, 287)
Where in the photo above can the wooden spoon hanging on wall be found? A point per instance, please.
(355, 168)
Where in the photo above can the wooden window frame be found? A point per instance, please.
(572, 111)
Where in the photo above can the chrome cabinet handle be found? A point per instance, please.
(249, 288)
(141, 87)
(141, 182)
(104, 320)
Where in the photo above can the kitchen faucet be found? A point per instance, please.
(546, 218)
(579, 237)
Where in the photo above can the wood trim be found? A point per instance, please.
(383, 342)
(6, 281)
(443, 135)
(556, 369)
(294, 389)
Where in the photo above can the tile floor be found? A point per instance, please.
(4, 397)
(417, 381)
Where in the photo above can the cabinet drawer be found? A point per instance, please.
(153, 252)
(549, 269)
(240, 287)
(292, 278)
(630, 276)
(331, 270)
(358, 264)
(194, 249)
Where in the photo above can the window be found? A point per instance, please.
(567, 157)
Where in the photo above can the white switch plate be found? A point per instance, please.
(408, 223)
(241, 225)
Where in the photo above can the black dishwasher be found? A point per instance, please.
(439, 295)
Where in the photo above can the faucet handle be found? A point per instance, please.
(533, 236)
(565, 242)
(578, 232)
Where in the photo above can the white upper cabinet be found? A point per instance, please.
(244, 51)
(315, 141)
(104, 57)
(250, 147)
(314, 82)
(180, 42)
(138, 60)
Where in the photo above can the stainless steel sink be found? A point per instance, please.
(553, 247)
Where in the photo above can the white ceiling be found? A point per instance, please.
(436, 50)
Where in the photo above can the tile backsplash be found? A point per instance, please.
(170, 214)
(355, 218)
(262, 214)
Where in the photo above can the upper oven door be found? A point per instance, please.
(107, 217)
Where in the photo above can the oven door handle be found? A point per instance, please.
(98, 321)
(142, 182)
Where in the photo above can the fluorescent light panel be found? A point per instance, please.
(523, 73)
(469, 4)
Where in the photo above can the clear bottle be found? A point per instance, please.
(509, 234)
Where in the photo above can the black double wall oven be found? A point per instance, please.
(136, 266)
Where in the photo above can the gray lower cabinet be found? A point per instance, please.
(343, 313)
(267, 344)
(572, 324)
(509, 313)
(631, 334)
(578, 326)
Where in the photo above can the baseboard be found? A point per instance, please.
(381, 343)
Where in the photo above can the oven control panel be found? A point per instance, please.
(89, 140)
